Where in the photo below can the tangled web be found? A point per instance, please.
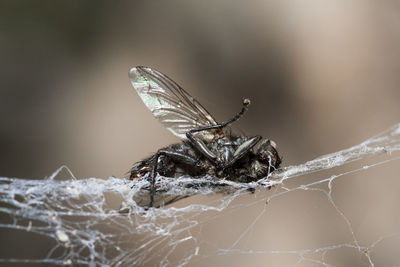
(103, 222)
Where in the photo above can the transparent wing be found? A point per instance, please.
(178, 111)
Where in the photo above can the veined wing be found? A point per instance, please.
(178, 111)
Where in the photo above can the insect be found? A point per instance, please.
(207, 147)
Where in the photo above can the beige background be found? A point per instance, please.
(322, 76)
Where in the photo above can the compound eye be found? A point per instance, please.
(264, 146)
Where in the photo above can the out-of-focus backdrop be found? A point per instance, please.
(322, 76)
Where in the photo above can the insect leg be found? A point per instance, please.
(201, 147)
(199, 144)
(242, 150)
(246, 103)
(176, 157)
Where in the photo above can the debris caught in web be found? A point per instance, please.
(105, 222)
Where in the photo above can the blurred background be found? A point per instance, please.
(322, 76)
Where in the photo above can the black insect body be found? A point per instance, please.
(205, 148)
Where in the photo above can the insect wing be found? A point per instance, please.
(178, 111)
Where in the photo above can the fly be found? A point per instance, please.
(206, 147)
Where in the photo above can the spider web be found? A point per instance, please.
(100, 222)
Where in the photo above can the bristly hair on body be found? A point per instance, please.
(207, 148)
